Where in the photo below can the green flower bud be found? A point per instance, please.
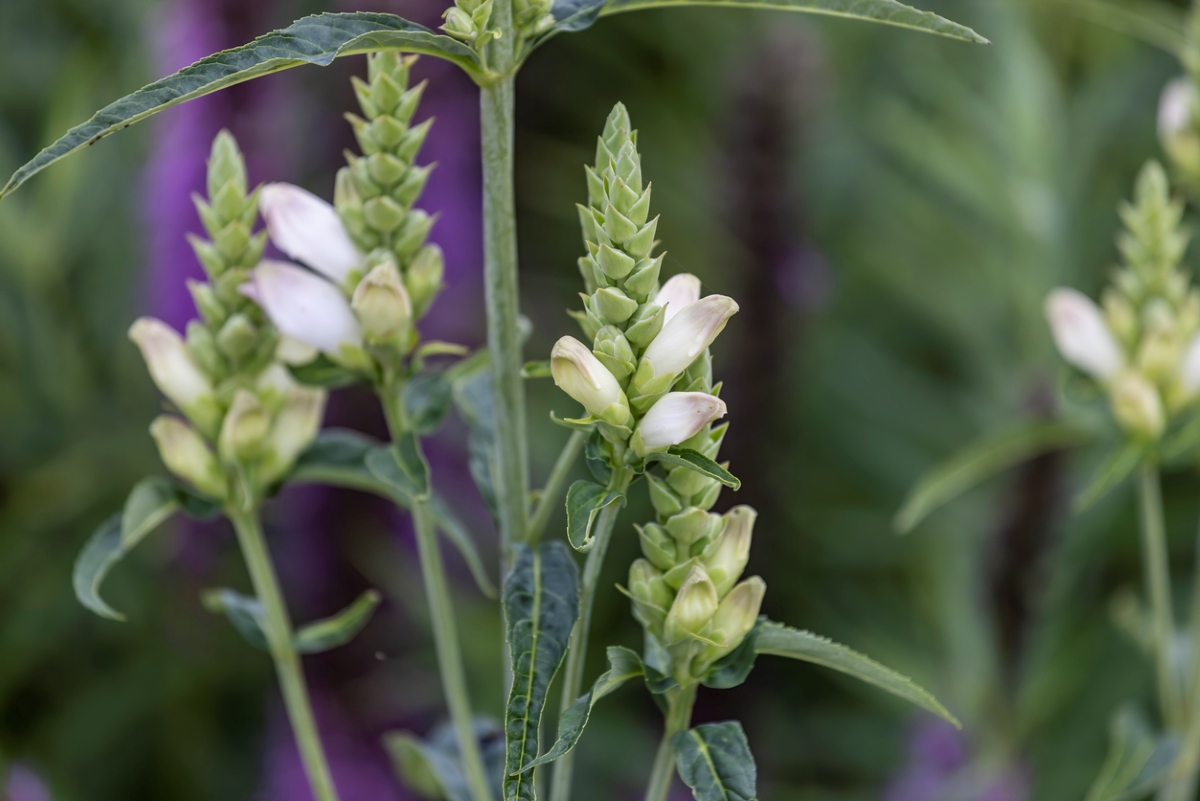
(645, 324)
(383, 308)
(613, 351)
(1137, 406)
(366, 142)
(686, 483)
(211, 309)
(361, 172)
(662, 497)
(694, 606)
(642, 282)
(1159, 353)
(412, 140)
(293, 430)
(412, 233)
(188, 456)
(362, 90)
(244, 429)
(385, 93)
(726, 556)
(202, 347)
(411, 186)
(232, 241)
(734, 618)
(657, 545)
(618, 227)
(423, 278)
(651, 596)
(211, 260)
(412, 98)
(693, 525)
(613, 305)
(614, 263)
(237, 337)
(225, 165)
(384, 214)
(385, 169)
(641, 243)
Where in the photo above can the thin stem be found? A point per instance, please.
(1158, 585)
(554, 484)
(278, 630)
(679, 718)
(560, 789)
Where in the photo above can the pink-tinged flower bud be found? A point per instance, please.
(383, 307)
(187, 455)
(304, 306)
(295, 427)
(736, 616)
(581, 375)
(309, 230)
(679, 291)
(726, 556)
(694, 606)
(174, 372)
(1081, 334)
(244, 429)
(688, 333)
(1137, 406)
(675, 417)
(1189, 367)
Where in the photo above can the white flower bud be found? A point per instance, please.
(382, 305)
(1189, 368)
(736, 616)
(675, 417)
(174, 372)
(187, 455)
(726, 556)
(679, 291)
(1137, 406)
(581, 375)
(694, 606)
(304, 306)
(309, 230)
(294, 429)
(1081, 334)
(687, 335)
(245, 428)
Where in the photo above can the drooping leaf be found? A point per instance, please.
(694, 460)
(1156, 23)
(426, 401)
(339, 629)
(734, 668)
(458, 534)
(1116, 467)
(623, 665)
(243, 611)
(541, 603)
(780, 640)
(150, 502)
(317, 39)
(1139, 762)
(584, 502)
(432, 766)
(401, 467)
(473, 397)
(714, 760)
(982, 460)
(323, 372)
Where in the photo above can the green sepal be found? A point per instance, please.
(584, 502)
(714, 760)
(698, 462)
(323, 372)
(574, 423)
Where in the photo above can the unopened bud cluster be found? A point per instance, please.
(470, 21)
(1142, 344)
(638, 380)
(243, 415)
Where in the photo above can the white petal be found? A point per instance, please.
(1081, 334)
(309, 230)
(582, 376)
(1189, 368)
(1175, 107)
(687, 335)
(678, 416)
(304, 306)
(679, 291)
(170, 364)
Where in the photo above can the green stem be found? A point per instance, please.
(679, 718)
(554, 484)
(278, 631)
(1158, 585)
(560, 789)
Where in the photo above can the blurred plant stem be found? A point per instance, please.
(441, 612)
(560, 789)
(278, 630)
(679, 717)
(1158, 585)
(554, 484)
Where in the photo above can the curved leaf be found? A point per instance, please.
(541, 602)
(1138, 763)
(245, 612)
(714, 760)
(432, 766)
(317, 39)
(694, 460)
(1154, 22)
(982, 460)
(780, 640)
(339, 629)
(323, 372)
(473, 397)
(401, 467)
(584, 501)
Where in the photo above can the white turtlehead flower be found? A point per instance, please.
(581, 375)
(294, 352)
(679, 291)
(676, 417)
(295, 427)
(1081, 334)
(187, 455)
(1175, 107)
(304, 306)
(726, 556)
(1189, 366)
(308, 230)
(687, 335)
(174, 372)
(244, 429)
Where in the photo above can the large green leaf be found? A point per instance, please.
(623, 665)
(331, 632)
(317, 39)
(150, 502)
(780, 640)
(714, 760)
(982, 460)
(432, 766)
(541, 602)
(1138, 762)
(1154, 22)
(584, 502)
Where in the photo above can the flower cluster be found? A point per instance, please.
(372, 273)
(645, 380)
(1144, 347)
(470, 20)
(225, 378)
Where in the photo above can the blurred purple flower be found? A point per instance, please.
(942, 767)
(23, 784)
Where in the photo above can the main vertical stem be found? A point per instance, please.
(1158, 586)
(278, 631)
(679, 718)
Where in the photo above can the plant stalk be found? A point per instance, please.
(554, 484)
(278, 630)
(679, 718)
(1158, 586)
(560, 788)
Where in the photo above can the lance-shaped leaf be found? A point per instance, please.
(780, 640)
(150, 502)
(714, 760)
(245, 612)
(339, 629)
(1112, 472)
(1156, 23)
(584, 502)
(432, 766)
(426, 401)
(982, 460)
(1138, 762)
(623, 665)
(694, 460)
(541, 602)
(317, 39)
(402, 467)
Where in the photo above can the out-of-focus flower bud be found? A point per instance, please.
(1120, 316)
(383, 307)
(295, 427)
(202, 346)
(294, 352)
(679, 291)
(1160, 351)
(1177, 125)
(581, 375)
(244, 429)
(726, 556)
(694, 607)
(211, 309)
(424, 277)
(651, 596)
(1081, 335)
(675, 417)
(309, 230)
(735, 617)
(304, 306)
(187, 455)
(237, 337)
(174, 372)
(1137, 406)
(1189, 368)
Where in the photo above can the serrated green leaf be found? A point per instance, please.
(541, 603)
(1139, 762)
(323, 372)
(714, 760)
(339, 629)
(402, 467)
(426, 401)
(432, 766)
(584, 502)
(623, 665)
(982, 460)
(1155, 23)
(1116, 467)
(244, 612)
(780, 640)
(694, 460)
(317, 39)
